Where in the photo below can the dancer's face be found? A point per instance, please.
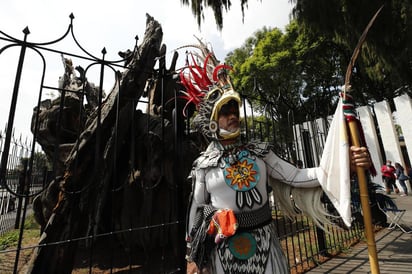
(229, 117)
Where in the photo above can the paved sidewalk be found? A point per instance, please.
(393, 246)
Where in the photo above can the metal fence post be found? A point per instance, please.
(20, 191)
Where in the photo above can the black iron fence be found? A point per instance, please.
(120, 210)
(12, 194)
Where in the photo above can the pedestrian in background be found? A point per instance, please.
(388, 176)
(400, 175)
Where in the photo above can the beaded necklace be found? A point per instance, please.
(241, 174)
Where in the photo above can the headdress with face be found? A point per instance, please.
(209, 88)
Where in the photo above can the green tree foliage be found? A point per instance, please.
(297, 75)
(264, 76)
(384, 65)
(198, 7)
(288, 77)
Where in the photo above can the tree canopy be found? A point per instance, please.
(198, 7)
(291, 71)
(384, 67)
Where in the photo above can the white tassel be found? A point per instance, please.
(307, 201)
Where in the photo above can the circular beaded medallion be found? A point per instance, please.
(242, 174)
(242, 245)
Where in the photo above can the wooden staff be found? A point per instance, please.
(363, 186)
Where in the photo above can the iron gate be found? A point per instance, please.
(116, 231)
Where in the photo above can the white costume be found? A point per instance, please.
(237, 178)
(229, 223)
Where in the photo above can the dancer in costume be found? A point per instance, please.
(229, 223)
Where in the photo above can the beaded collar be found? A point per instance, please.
(230, 147)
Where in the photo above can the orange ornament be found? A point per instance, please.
(223, 225)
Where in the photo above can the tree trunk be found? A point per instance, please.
(87, 177)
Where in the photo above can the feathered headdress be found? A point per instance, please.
(208, 86)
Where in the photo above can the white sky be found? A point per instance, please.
(113, 25)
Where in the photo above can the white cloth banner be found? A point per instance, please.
(334, 170)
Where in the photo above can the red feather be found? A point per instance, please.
(219, 67)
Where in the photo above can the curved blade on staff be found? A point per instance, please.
(363, 186)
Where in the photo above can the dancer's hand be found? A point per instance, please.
(360, 158)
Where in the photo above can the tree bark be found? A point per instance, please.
(87, 177)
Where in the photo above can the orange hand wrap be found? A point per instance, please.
(223, 224)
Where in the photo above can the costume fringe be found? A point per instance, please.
(202, 244)
(294, 201)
